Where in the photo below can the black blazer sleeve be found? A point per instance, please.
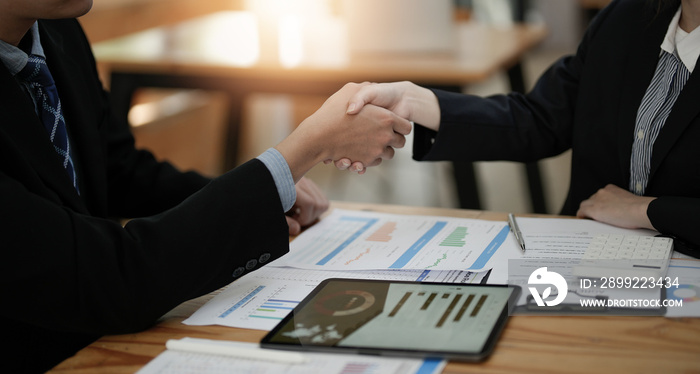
(96, 276)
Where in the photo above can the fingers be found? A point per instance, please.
(359, 99)
(616, 206)
(310, 204)
(397, 141)
(403, 126)
(359, 138)
(343, 164)
(388, 154)
(347, 164)
(385, 95)
(360, 168)
(294, 226)
(582, 211)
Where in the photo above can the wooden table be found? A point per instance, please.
(481, 51)
(529, 344)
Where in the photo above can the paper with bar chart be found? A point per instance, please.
(264, 297)
(355, 240)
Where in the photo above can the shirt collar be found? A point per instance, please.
(685, 45)
(14, 58)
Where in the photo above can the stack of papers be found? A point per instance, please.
(368, 245)
(358, 245)
(189, 360)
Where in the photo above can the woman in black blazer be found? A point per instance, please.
(589, 103)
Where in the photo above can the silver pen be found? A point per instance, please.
(516, 231)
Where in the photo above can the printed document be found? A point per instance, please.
(355, 240)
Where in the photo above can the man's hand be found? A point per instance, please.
(405, 99)
(618, 207)
(310, 204)
(369, 136)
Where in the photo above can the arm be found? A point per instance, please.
(303, 202)
(619, 207)
(406, 99)
(673, 216)
(677, 217)
(512, 127)
(99, 277)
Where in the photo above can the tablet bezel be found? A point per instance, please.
(486, 351)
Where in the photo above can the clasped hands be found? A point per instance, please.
(368, 135)
(400, 98)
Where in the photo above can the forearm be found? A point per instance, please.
(511, 127)
(423, 104)
(678, 217)
(100, 277)
(302, 151)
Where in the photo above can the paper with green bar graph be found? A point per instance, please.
(358, 240)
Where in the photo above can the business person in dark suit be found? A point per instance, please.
(626, 103)
(69, 272)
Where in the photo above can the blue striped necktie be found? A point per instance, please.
(37, 76)
(665, 87)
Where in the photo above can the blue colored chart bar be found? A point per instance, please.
(490, 249)
(422, 276)
(418, 245)
(242, 302)
(429, 366)
(370, 222)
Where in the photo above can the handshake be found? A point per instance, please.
(359, 126)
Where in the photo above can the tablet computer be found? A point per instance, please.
(396, 318)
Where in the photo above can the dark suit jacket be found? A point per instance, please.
(588, 102)
(69, 272)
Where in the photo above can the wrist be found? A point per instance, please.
(645, 221)
(302, 151)
(425, 108)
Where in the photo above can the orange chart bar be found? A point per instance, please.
(383, 234)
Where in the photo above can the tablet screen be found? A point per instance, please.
(455, 321)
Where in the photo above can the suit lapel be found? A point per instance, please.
(684, 110)
(640, 68)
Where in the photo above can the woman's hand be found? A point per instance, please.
(618, 207)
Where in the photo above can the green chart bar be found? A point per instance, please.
(456, 238)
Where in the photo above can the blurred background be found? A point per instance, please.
(195, 46)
